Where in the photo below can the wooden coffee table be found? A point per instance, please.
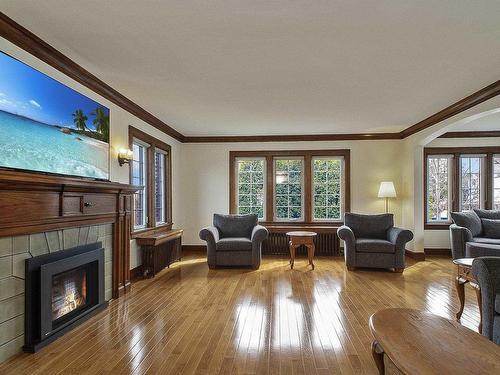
(464, 276)
(298, 238)
(417, 342)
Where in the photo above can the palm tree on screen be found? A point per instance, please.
(101, 122)
(79, 120)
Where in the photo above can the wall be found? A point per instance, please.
(206, 177)
(119, 122)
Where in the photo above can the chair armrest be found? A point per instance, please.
(259, 233)
(399, 237)
(459, 236)
(209, 233)
(346, 234)
(486, 271)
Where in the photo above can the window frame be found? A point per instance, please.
(492, 166)
(145, 197)
(457, 153)
(164, 185)
(235, 172)
(302, 188)
(154, 146)
(307, 156)
(450, 158)
(342, 187)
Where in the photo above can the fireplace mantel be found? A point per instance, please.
(32, 203)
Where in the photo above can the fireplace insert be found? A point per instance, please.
(62, 290)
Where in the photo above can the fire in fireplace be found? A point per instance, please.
(69, 292)
(62, 290)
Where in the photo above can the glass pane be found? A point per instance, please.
(437, 189)
(160, 187)
(288, 176)
(327, 187)
(250, 189)
(139, 178)
(470, 183)
(496, 182)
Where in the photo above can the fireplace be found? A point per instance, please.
(62, 290)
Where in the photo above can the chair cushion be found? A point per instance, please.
(491, 228)
(497, 303)
(235, 225)
(488, 214)
(233, 244)
(369, 226)
(371, 245)
(469, 220)
(494, 241)
(478, 249)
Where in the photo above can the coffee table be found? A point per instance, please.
(418, 342)
(464, 276)
(298, 238)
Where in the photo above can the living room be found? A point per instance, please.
(249, 188)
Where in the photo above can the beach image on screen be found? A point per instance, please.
(48, 127)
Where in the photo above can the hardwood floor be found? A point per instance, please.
(274, 320)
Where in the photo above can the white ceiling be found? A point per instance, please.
(278, 67)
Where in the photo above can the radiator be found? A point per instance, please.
(327, 243)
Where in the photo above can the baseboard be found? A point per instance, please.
(437, 252)
(194, 248)
(418, 256)
(136, 273)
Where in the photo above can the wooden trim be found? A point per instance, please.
(417, 255)
(194, 248)
(136, 273)
(25, 39)
(307, 156)
(154, 143)
(437, 226)
(437, 252)
(472, 134)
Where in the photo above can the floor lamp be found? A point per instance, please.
(386, 191)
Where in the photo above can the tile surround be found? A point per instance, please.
(14, 251)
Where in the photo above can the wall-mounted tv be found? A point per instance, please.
(46, 126)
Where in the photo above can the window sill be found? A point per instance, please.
(146, 231)
(437, 226)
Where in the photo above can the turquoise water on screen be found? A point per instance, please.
(32, 145)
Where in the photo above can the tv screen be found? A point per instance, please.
(46, 126)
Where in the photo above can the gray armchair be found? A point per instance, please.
(234, 240)
(373, 241)
(486, 271)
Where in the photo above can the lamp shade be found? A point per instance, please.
(387, 190)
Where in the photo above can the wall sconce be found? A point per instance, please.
(124, 156)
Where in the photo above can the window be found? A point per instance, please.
(288, 189)
(251, 189)
(150, 168)
(327, 188)
(438, 188)
(496, 182)
(471, 191)
(460, 179)
(290, 186)
(139, 179)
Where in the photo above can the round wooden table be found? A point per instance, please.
(418, 342)
(298, 238)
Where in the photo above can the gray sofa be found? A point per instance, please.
(234, 240)
(373, 241)
(476, 227)
(486, 271)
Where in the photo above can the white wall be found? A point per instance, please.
(206, 177)
(119, 122)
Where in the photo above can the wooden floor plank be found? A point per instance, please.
(192, 320)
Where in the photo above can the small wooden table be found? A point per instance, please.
(417, 342)
(464, 276)
(298, 238)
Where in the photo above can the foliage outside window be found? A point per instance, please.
(496, 182)
(327, 189)
(288, 188)
(470, 182)
(438, 186)
(250, 189)
(139, 179)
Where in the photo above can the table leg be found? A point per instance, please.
(378, 357)
(310, 252)
(292, 254)
(479, 304)
(459, 283)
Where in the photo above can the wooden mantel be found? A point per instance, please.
(33, 203)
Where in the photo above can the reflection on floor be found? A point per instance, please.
(274, 320)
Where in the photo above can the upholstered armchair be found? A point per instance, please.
(486, 271)
(234, 240)
(373, 241)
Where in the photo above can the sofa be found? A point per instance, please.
(234, 240)
(486, 271)
(476, 227)
(373, 241)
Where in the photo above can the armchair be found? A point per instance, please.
(234, 240)
(373, 241)
(486, 271)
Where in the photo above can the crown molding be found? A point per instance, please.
(472, 134)
(25, 39)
